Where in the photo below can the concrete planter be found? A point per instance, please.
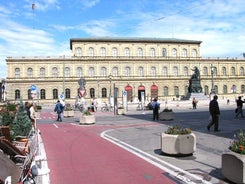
(178, 144)
(68, 113)
(233, 166)
(121, 111)
(164, 116)
(87, 120)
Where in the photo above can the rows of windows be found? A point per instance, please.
(128, 71)
(104, 93)
(127, 52)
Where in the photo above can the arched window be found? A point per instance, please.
(127, 52)
(140, 71)
(114, 52)
(55, 93)
(194, 53)
(42, 72)
(102, 52)
(104, 92)
(216, 89)
(176, 90)
(233, 72)
(103, 71)
(185, 71)
(91, 92)
(175, 71)
(224, 71)
(241, 72)
(29, 94)
(42, 94)
(174, 52)
(153, 71)
(67, 93)
(184, 52)
(127, 71)
(233, 88)
(91, 52)
(164, 52)
(225, 89)
(17, 72)
(152, 52)
(114, 71)
(54, 72)
(17, 94)
(205, 71)
(140, 52)
(242, 88)
(91, 71)
(206, 90)
(165, 91)
(165, 71)
(78, 52)
(29, 72)
(67, 72)
(79, 72)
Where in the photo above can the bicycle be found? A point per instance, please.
(107, 108)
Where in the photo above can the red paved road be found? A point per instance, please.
(77, 154)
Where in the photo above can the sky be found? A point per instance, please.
(46, 29)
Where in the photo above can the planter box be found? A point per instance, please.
(164, 116)
(121, 111)
(68, 113)
(87, 120)
(178, 144)
(5, 131)
(233, 167)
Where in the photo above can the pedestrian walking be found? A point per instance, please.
(59, 109)
(194, 103)
(33, 116)
(214, 113)
(239, 104)
(155, 106)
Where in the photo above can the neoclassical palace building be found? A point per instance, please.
(156, 66)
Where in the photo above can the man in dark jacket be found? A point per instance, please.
(239, 104)
(214, 112)
(155, 107)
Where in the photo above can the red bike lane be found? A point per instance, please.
(77, 154)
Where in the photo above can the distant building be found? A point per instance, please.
(158, 67)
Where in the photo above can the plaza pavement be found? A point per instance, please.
(139, 135)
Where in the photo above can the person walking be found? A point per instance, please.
(33, 116)
(215, 113)
(59, 109)
(155, 106)
(239, 104)
(194, 103)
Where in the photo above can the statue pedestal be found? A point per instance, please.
(198, 96)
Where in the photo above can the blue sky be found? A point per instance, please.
(47, 29)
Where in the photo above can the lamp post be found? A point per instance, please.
(212, 74)
(110, 77)
(98, 83)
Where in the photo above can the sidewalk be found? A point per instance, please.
(138, 134)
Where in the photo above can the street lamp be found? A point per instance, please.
(98, 82)
(110, 77)
(212, 74)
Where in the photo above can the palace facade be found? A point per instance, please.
(158, 67)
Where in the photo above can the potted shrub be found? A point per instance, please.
(68, 111)
(166, 114)
(178, 141)
(87, 118)
(233, 160)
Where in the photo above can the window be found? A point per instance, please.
(104, 92)
(184, 53)
(67, 93)
(185, 71)
(164, 52)
(153, 71)
(29, 94)
(233, 88)
(174, 52)
(114, 71)
(242, 88)
(78, 52)
(206, 90)
(241, 72)
(224, 71)
(225, 89)
(205, 71)
(152, 52)
(17, 72)
(233, 72)
(91, 52)
(176, 90)
(17, 94)
(54, 72)
(140, 52)
(165, 91)
(55, 93)
(140, 72)
(91, 71)
(91, 92)
(127, 71)
(103, 71)
(127, 52)
(29, 72)
(79, 72)
(42, 94)
(165, 71)
(102, 52)
(194, 53)
(42, 72)
(216, 89)
(67, 72)
(114, 52)
(175, 71)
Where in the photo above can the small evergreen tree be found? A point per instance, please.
(22, 125)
